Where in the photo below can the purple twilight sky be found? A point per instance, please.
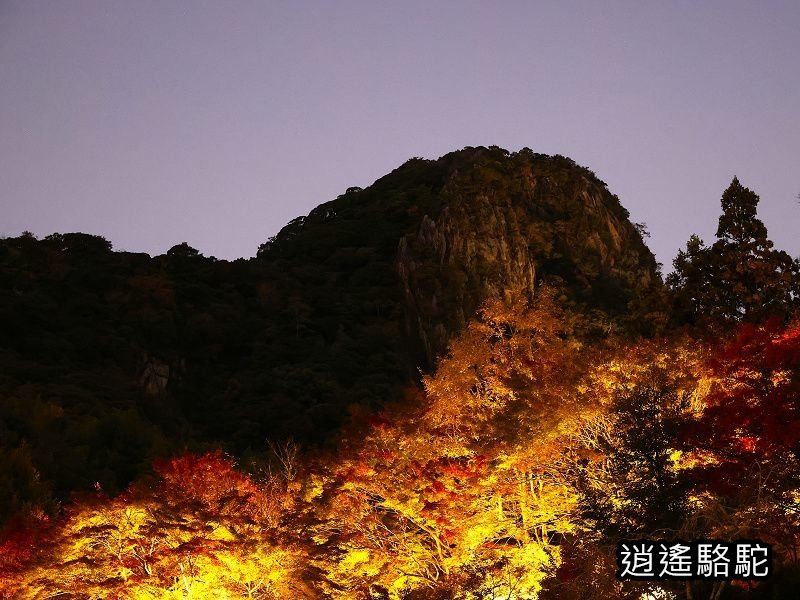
(215, 123)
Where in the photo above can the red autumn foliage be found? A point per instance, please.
(754, 414)
(208, 478)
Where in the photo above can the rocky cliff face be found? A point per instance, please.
(505, 221)
(457, 260)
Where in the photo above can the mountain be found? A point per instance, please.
(111, 358)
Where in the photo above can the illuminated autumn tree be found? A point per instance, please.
(747, 440)
(512, 361)
(200, 529)
(625, 442)
(453, 495)
(622, 456)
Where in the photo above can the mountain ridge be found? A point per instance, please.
(113, 358)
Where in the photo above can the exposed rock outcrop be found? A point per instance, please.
(154, 376)
(506, 220)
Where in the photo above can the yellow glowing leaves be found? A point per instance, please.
(112, 533)
(454, 448)
(520, 573)
(220, 533)
(255, 572)
(353, 558)
(554, 506)
(698, 397)
(359, 564)
(205, 539)
(511, 356)
(479, 534)
(314, 488)
(683, 460)
(781, 377)
(698, 458)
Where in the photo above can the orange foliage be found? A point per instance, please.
(490, 485)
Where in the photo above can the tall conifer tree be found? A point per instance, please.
(738, 278)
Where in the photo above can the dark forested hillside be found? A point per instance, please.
(108, 359)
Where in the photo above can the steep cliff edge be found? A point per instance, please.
(507, 220)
